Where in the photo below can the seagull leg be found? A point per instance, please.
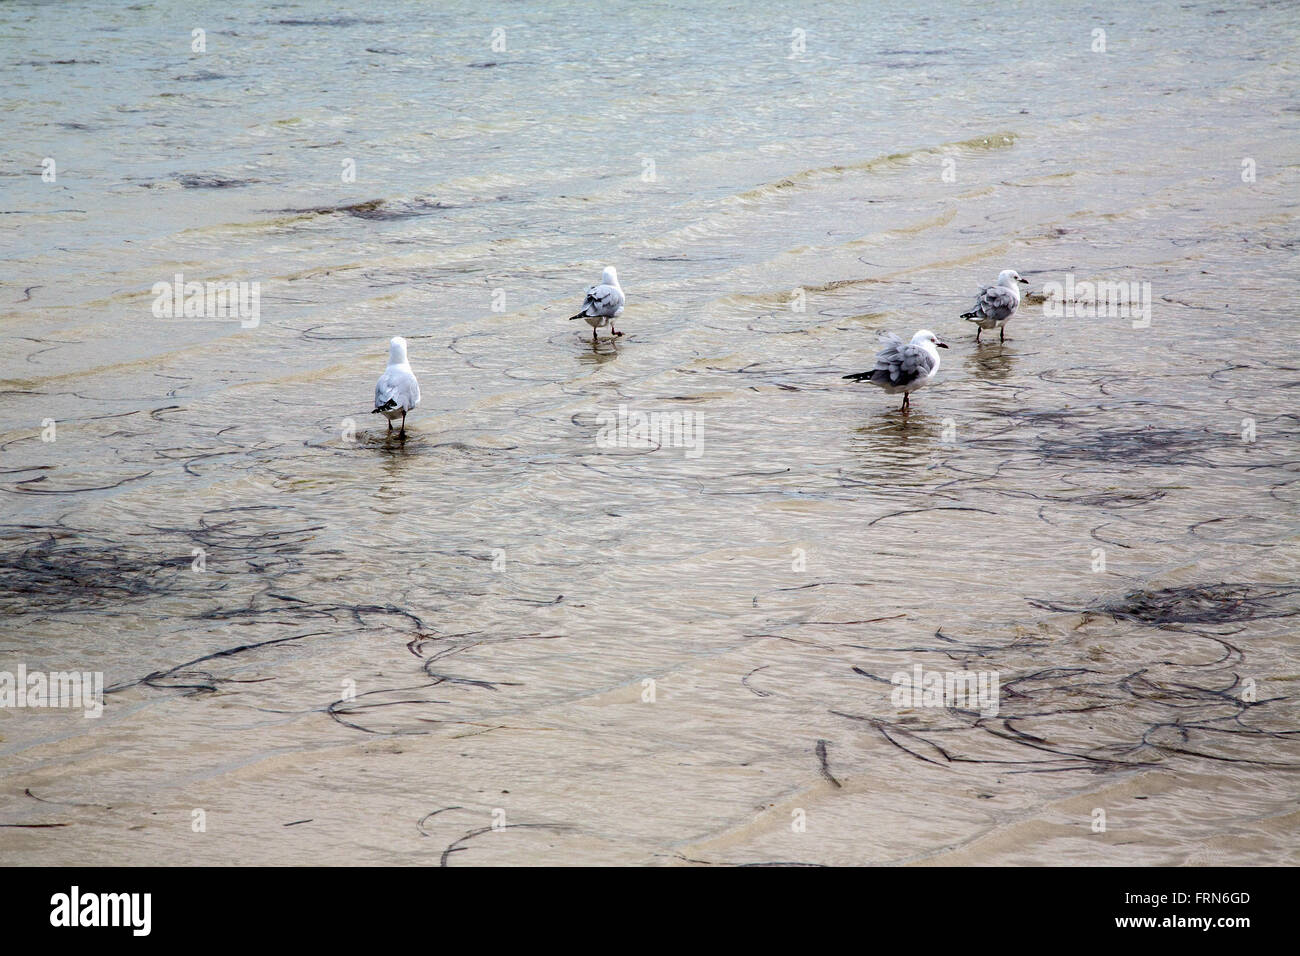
(402, 433)
(978, 330)
(907, 397)
(390, 424)
(613, 331)
(593, 335)
(1002, 334)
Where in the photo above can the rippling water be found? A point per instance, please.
(648, 655)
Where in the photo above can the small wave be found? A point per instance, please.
(809, 176)
(382, 210)
(329, 22)
(210, 181)
(58, 62)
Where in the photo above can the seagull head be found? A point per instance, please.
(609, 276)
(396, 350)
(1007, 278)
(926, 337)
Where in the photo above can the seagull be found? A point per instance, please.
(996, 304)
(397, 391)
(603, 304)
(904, 368)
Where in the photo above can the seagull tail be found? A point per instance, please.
(969, 315)
(861, 376)
(580, 315)
(387, 406)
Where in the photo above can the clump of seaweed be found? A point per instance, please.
(41, 570)
(1046, 721)
(1102, 718)
(1144, 446)
(56, 569)
(1221, 603)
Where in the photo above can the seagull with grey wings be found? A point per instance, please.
(604, 303)
(904, 366)
(397, 391)
(996, 304)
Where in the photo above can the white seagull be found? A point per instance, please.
(904, 367)
(603, 304)
(996, 304)
(397, 391)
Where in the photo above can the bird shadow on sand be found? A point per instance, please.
(393, 442)
(898, 448)
(599, 352)
(899, 425)
(992, 361)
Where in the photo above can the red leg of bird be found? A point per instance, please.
(402, 434)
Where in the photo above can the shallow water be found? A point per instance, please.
(499, 589)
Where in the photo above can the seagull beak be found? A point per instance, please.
(941, 345)
(1025, 281)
